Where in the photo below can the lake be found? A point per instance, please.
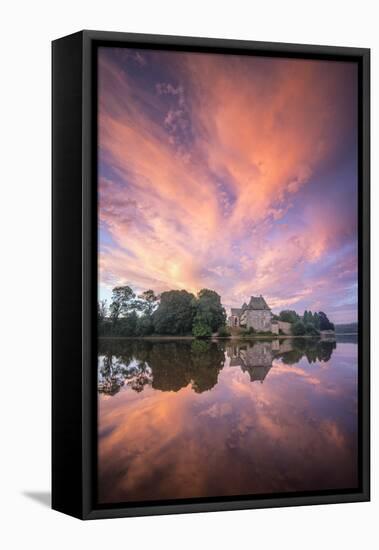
(189, 419)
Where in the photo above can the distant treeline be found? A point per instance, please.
(176, 312)
(348, 328)
(307, 324)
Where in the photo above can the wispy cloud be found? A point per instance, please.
(229, 173)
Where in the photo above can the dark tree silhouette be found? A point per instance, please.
(325, 324)
(175, 313)
(123, 301)
(209, 309)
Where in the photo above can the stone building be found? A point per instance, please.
(255, 314)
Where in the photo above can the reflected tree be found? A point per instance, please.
(315, 350)
(117, 366)
(173, 365)
(166, 366)
(207, 362)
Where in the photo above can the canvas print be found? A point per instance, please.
(227, 276)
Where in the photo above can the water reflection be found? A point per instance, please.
(180, 419)
(172, 365)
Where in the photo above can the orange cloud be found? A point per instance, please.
(204, 169)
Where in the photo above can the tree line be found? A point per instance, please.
(349, 328)
(307, 324)
(175, 312)
(181, 313)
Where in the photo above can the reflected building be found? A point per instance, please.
(255, 359)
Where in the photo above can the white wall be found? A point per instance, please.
(27, 28)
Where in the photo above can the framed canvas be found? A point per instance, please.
(210, 275)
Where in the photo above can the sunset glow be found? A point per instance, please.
(233, 173)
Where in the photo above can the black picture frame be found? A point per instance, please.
(74, 271)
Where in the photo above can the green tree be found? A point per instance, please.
(175, 313)
(127, 325)
(310, 329)
(325, 324)
(316, 321)
(201, 329)
(289, 316)
(209, 309)
(148, 301)
(123, 301)
(103, 323)
(145, 325)
(223, 332)
(298, 328)
(102, 310)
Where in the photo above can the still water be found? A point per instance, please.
(184, 419)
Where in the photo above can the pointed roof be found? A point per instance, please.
(258, 302)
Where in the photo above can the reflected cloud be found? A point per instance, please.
(226, 418)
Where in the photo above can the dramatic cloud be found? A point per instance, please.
(232, 173)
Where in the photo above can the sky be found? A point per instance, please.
(234, 173)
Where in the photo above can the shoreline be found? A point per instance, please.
(252, 337)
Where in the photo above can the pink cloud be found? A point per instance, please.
(189, 212)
